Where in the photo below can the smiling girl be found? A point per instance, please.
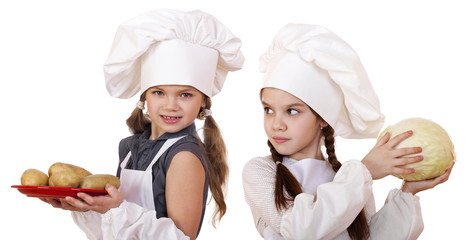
(178, 61)
(314, 89)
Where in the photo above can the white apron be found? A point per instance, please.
(136, 185)
(310, 173)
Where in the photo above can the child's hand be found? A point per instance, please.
(86, 202)
(59, 203)
(99, 204)
(418, 186)
(383, 159)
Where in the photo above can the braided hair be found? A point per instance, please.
(285, 181)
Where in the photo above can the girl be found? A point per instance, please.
(314, 89)
(178, 61)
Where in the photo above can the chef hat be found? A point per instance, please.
(170, 47)
(322, 70)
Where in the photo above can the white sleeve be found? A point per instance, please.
(258, 184)
(90, 223)
(399, 218)
(128, 221)
(333, 209)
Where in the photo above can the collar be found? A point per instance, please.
(189, 130)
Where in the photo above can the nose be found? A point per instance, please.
(171, 103)
(278, 123)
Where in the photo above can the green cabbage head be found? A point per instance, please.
(438, 149)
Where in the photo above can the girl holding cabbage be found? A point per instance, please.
(315, 88)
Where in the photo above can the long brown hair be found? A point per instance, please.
(285, 181)
(214, 148)
(216, 152)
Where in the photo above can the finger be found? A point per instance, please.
(384, 139)
(402, 171)
(86, 198)
(52, 201)
(407, 151)
(65, 205)
(77, 204)
(444, 177)
(46, 200)
(408, 160)
(399, 138)
(112, 190)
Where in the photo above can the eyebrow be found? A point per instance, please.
(286, 106)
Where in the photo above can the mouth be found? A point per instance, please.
(280, 140)
(170, 119)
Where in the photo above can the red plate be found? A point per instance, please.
(55, 192)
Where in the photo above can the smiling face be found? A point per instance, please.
(172, 107)
(291, 125)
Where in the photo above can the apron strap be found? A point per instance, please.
(168, 143)
(124, 162)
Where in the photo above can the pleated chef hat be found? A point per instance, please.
(170, 47)
(322, 70)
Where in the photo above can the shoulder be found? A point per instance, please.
(188, 144)
(124, 145)
(186, 162)
(259, 167)
(261, 162)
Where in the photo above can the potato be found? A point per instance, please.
(99, 181)
(59, 167)
(66, 175)
(34, 177)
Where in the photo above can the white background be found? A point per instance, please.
(55, 108)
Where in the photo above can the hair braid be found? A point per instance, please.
(285, 181)
(359, 228)
(329, 139)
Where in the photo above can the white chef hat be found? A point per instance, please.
(322, 70)
(170, 47)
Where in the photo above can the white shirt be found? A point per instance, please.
(328, 212)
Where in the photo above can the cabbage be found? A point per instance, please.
(438, 149)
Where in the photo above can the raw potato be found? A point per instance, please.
(59, 167)
(99, 181)
(66, 175)
(34, 177)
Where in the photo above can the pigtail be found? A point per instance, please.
(137, 122)
(359, 228)
(285, 181)
(329, 139)
(217, 163)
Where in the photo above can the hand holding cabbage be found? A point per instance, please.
(437, 148)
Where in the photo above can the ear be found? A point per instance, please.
(323, 124)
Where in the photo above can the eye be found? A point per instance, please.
(292, 111)
(268, 110)
(158, 92)
(186, 95)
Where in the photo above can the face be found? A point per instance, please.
(172, 107)
(292, 127)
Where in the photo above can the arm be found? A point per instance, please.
(323, 216)
(399, 218)
(258, 184)
(418, 186)
(334, 207)
(126, 221)
(184, 192)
